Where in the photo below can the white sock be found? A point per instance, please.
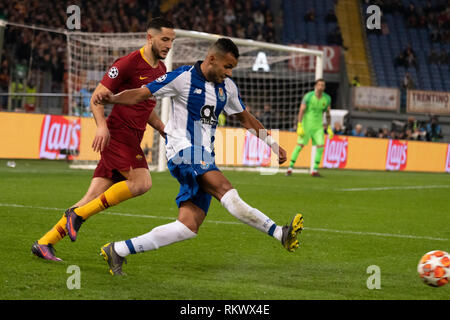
(251, 216)
(156, 238)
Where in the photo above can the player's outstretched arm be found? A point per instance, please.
(249, 122)
(128, 97)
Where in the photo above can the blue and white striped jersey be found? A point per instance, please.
(195, 107)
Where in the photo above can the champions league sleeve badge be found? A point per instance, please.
(113, 72)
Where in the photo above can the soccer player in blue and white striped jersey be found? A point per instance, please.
(198, 95)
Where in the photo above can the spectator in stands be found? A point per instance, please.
(4, 82)
(408, 82)
(337, 128)
(335, 37)
(435, 33)
(444, 58)
(30, 101)
(410, 14)
(267, 117)
(355, 82)
(433, 130)
(384, 28)
(258, 18)
(257, 114)
(410, 56)
(330, 16)
(370, 132)
(411, 124)
(383, 132)
(428, 8)
(358, 131)
(229, 17)
(419, 134)
(310, 15)
(400, 60)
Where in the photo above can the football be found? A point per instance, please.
(434, 268)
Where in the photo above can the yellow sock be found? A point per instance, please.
(117, 193)
(58, 232)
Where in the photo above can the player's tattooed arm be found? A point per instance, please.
(128, 97)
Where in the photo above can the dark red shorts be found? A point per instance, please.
(122, 153)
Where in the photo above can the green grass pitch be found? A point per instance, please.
(353, 220)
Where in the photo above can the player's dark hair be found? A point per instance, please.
(158, 23)
(225, 46)
(319, 80)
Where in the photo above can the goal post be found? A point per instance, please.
(272, 78)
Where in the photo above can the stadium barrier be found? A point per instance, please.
(40, 136)
(36, 136)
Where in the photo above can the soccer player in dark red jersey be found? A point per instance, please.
(122, 172)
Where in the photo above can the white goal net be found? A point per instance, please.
(272, 78)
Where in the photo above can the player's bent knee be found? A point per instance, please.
(225, 187)
(140, 188)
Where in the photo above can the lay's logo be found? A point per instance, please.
(58, 133)
(397, 155)
(336, 152)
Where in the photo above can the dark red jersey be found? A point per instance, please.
(130, 72)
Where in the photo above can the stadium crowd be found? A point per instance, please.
(431, 15)
(38, 58)
(409, 130)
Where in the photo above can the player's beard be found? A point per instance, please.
(156, 53)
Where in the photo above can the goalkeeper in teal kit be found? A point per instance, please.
(310, 124)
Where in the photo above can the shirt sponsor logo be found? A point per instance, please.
(113, 72)
(397, 155)
(58, 133)
(207, 115)
(336, 153)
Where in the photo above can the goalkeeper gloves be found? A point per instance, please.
(300, 130)
(330, 132)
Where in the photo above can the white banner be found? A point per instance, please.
(375, 98)
(434, 102)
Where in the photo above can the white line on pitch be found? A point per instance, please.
(395, 188)
(391, 235)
